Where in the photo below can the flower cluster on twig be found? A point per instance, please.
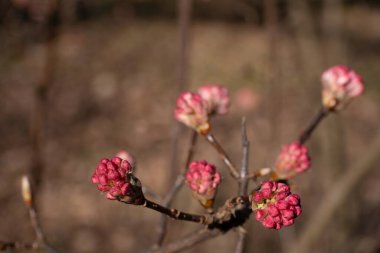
(272, 201)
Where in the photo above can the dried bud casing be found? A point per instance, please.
(26, 191)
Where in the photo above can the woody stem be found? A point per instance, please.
(305, 135)
(174, 213)
(232, 168)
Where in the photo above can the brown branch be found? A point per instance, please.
(175, 214)
(232, 214)
(243, 182)
(174, 190)
(232, 168)
(305, 135)
(184, 20)
(38, 121)
(336, 198)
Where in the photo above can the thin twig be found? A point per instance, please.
(336, 198)
(174, 213)
(232, 168)
(305, 135)
(36, 226)
(174, 190)
(243, 182)
(184, 20)
(38, 121)
(40, 236)
(259, 173)
(189, 241)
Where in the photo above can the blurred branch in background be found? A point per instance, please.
(273, 85)
(184, 20)
(336, 197)
(49, 26)
(40, 243)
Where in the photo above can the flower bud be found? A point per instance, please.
(192, 110)
(293, 159)
(271, 211)
(217, 98)
(340, 85)
(203, 179)
(115, 178)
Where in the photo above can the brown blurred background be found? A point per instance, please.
(82, 79)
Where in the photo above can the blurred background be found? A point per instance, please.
(82, 79)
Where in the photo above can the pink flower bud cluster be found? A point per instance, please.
(275, 206)
(217, 98)
(110, 177)
(202, 177)
(293, 159)
(194, 109)
(340, 84)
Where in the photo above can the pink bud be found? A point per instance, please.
(110, 177)
(257, 197)
(192, 110)
(268, 185)
(292, 160)
(293, 199)
(260, 214)
(266, 193)
(116, 160)
(217, 98)
(95, 179)
(298, 210)
(203, 179)
(281, 187)
(277, 209)
(282, 204)
(340, 85)
(268, 222)
(272, 210)
(288, 222)
(287, 214)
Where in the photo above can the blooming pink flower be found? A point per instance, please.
(217, 98)
(110, 176)
(340, 84)
(293, 159)
(203, 179)
(192, 110)
(275, 206)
